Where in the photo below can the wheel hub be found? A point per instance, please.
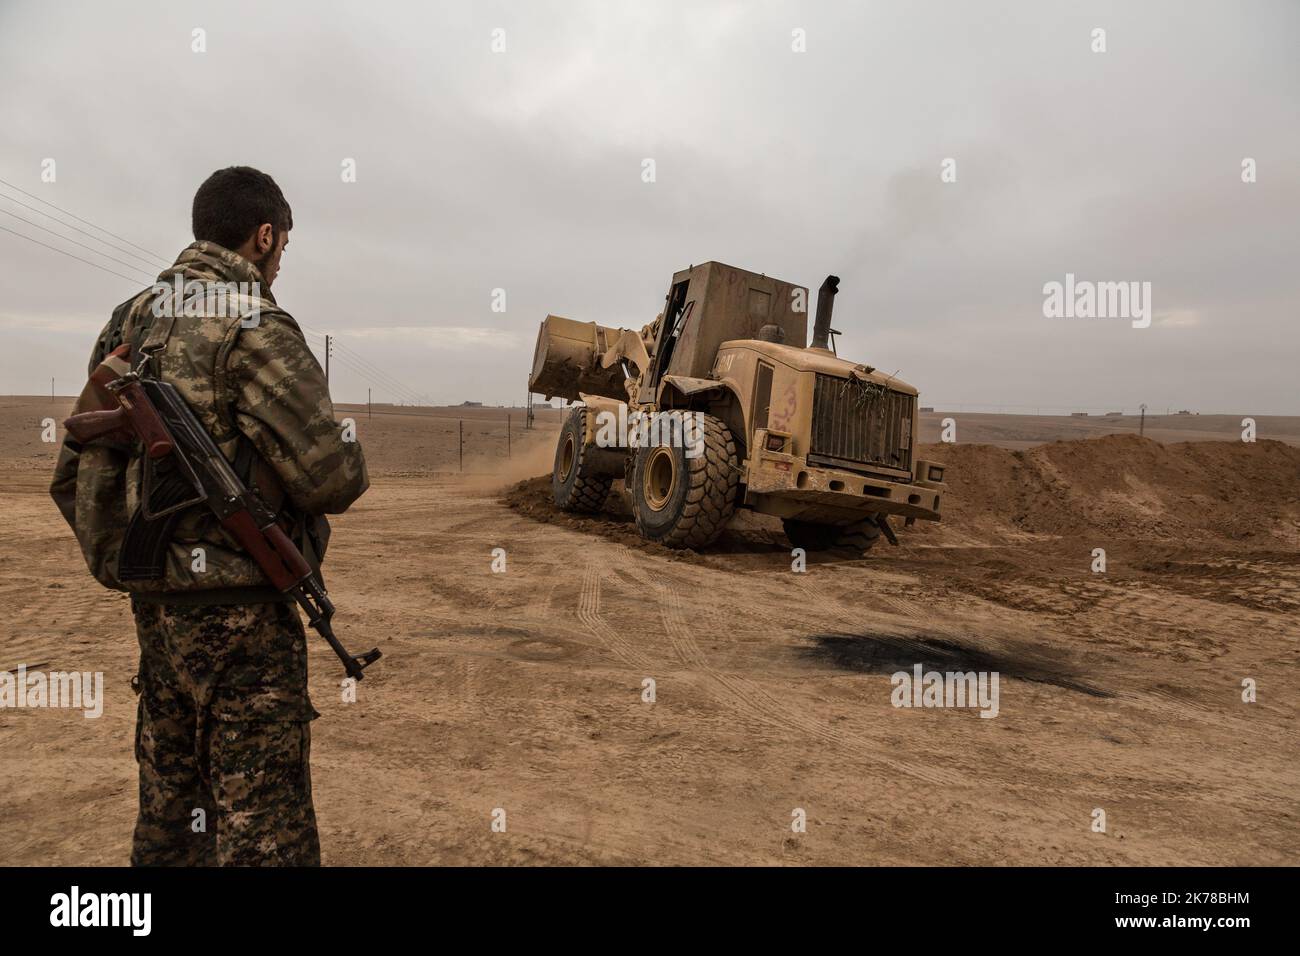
(567, 455)
(660, 478)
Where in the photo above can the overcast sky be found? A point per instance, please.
(522, 170)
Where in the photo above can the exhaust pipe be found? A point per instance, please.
(825, 306)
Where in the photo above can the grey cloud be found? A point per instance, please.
(521, 171)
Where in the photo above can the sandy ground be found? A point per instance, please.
(523, 690)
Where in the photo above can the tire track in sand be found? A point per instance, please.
(748, 698)
(751, 700)
(590, 617)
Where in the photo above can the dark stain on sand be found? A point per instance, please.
(889, 653)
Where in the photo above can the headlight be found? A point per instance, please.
(936, 473)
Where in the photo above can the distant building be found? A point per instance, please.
(927, 408)
(471, 404)
(1078, 414)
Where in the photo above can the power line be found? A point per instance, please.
(152, 264)
(69, 254)
(359, 358)
(398, 391)
(353, 360)
(79, 219)
(57, 235)
(360, 366)
(369, 369)
(375, 370)
(401, 391)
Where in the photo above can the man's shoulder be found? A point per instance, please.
(271, 320)
(268, 338)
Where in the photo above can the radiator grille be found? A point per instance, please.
(865, 425)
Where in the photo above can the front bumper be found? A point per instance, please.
(787, 486)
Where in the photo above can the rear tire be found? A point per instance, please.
(574, 487)
(857, 537)
(684, 502)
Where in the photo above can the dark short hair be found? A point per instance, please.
(233, 202)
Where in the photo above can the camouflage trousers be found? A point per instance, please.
(223, 737)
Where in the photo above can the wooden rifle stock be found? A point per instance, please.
(88, 426)
(134, 415)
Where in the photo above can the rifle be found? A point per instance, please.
(184, 467)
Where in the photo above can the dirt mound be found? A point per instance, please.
(1117, 486)
(1125, 486)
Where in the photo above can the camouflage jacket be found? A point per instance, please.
(245, 370)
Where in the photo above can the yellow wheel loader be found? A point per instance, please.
(718, 405)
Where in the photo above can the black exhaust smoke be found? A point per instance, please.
(825, 306)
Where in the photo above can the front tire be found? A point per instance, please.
(573, 485)
(684, 502)
(857, 537)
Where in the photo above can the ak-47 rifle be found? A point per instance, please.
(179, 448)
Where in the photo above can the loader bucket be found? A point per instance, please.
(567, 362)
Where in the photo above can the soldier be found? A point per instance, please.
(223, 722)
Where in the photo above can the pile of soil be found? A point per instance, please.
(1125, 486)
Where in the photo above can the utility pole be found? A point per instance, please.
(507, 436)
(1142, 423)
(328, 346)
(51, 389)
(460, 427)
(370, 412)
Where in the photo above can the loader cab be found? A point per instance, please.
(713, 303)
